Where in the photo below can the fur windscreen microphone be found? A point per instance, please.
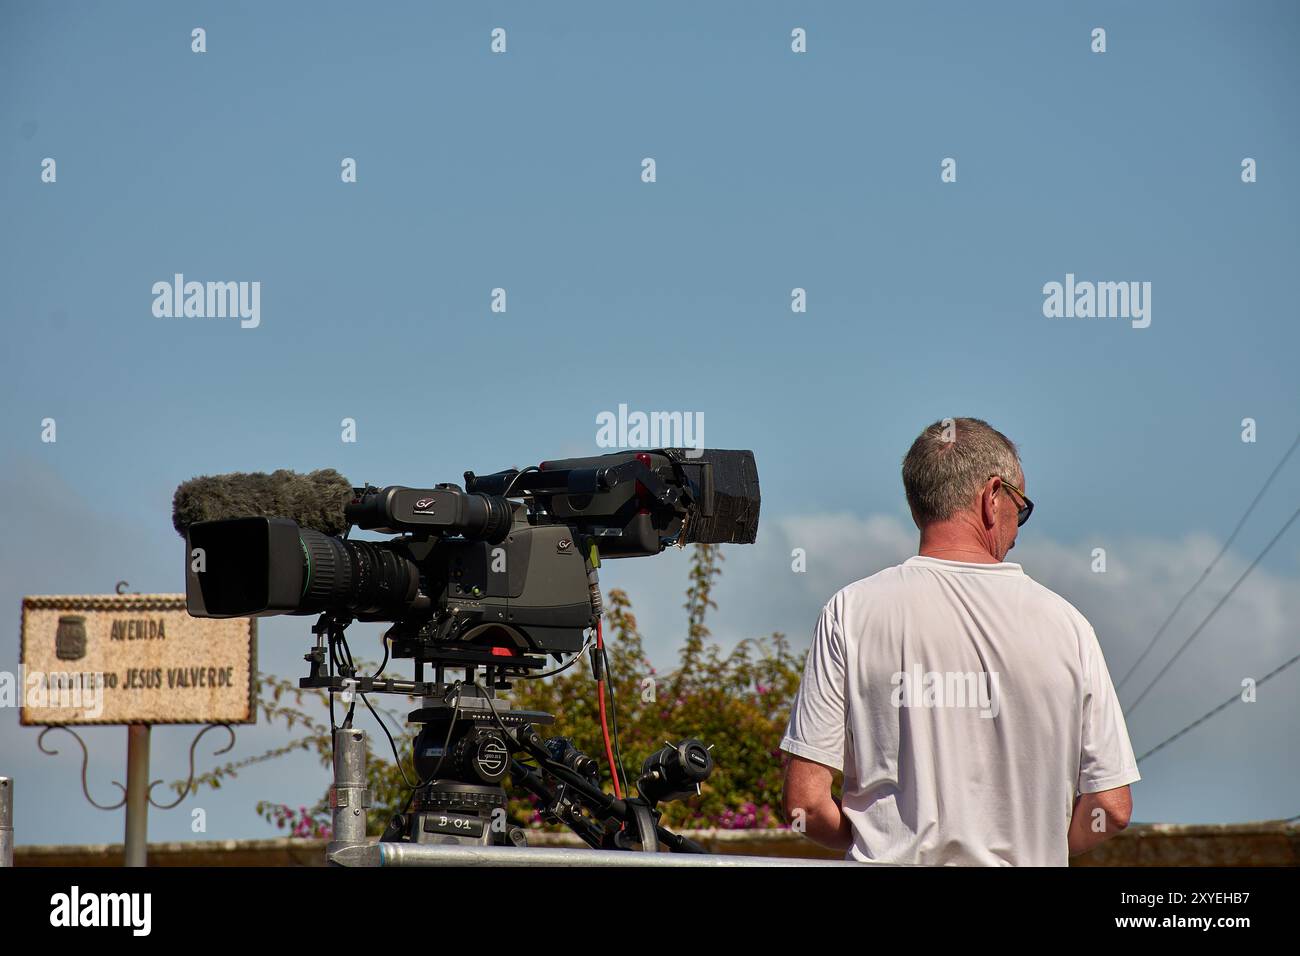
(314, 500)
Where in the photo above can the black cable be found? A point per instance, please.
(392, 744)
(1207, 716)
(1206, 573)
(487, 696)
(613, 715)
(347, 653)
(352, 674)
(511, 487)
(397, 758)
(573, 660)
(1223, 600)
(333, 724)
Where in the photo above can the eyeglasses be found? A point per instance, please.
(1025, 510)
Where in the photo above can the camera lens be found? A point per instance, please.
(358, 576)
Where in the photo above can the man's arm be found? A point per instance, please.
(808, 798)
(1097, 817)
(1106, 762)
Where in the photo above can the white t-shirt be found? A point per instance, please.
(966, 705)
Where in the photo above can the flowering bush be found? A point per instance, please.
(302, 823)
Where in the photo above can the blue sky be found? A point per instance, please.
(774, 170)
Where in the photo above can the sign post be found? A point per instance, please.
(138, 660)
(136, 844)
(6, 822)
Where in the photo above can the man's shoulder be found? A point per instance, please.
(885, 583)
(891, 576)
(1055, 603)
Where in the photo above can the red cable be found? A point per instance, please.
(600, 697)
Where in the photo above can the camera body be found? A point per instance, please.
(491, 573)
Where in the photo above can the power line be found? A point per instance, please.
(1206, 573)
(1223, 600)
(1235, 697)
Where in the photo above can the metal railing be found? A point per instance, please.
(418, 854)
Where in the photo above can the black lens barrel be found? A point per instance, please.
(486, 517)
(362, 577)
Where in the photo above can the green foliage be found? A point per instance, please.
(737, 702)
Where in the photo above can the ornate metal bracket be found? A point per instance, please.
(189, 783)
(85, 761)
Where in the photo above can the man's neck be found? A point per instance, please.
(958, 554)
(954, 541)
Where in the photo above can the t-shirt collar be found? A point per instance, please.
(925, 561)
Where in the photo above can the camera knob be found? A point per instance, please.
(484, 754)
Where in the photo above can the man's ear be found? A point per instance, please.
(988, 503)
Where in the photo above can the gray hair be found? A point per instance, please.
(949, 463)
